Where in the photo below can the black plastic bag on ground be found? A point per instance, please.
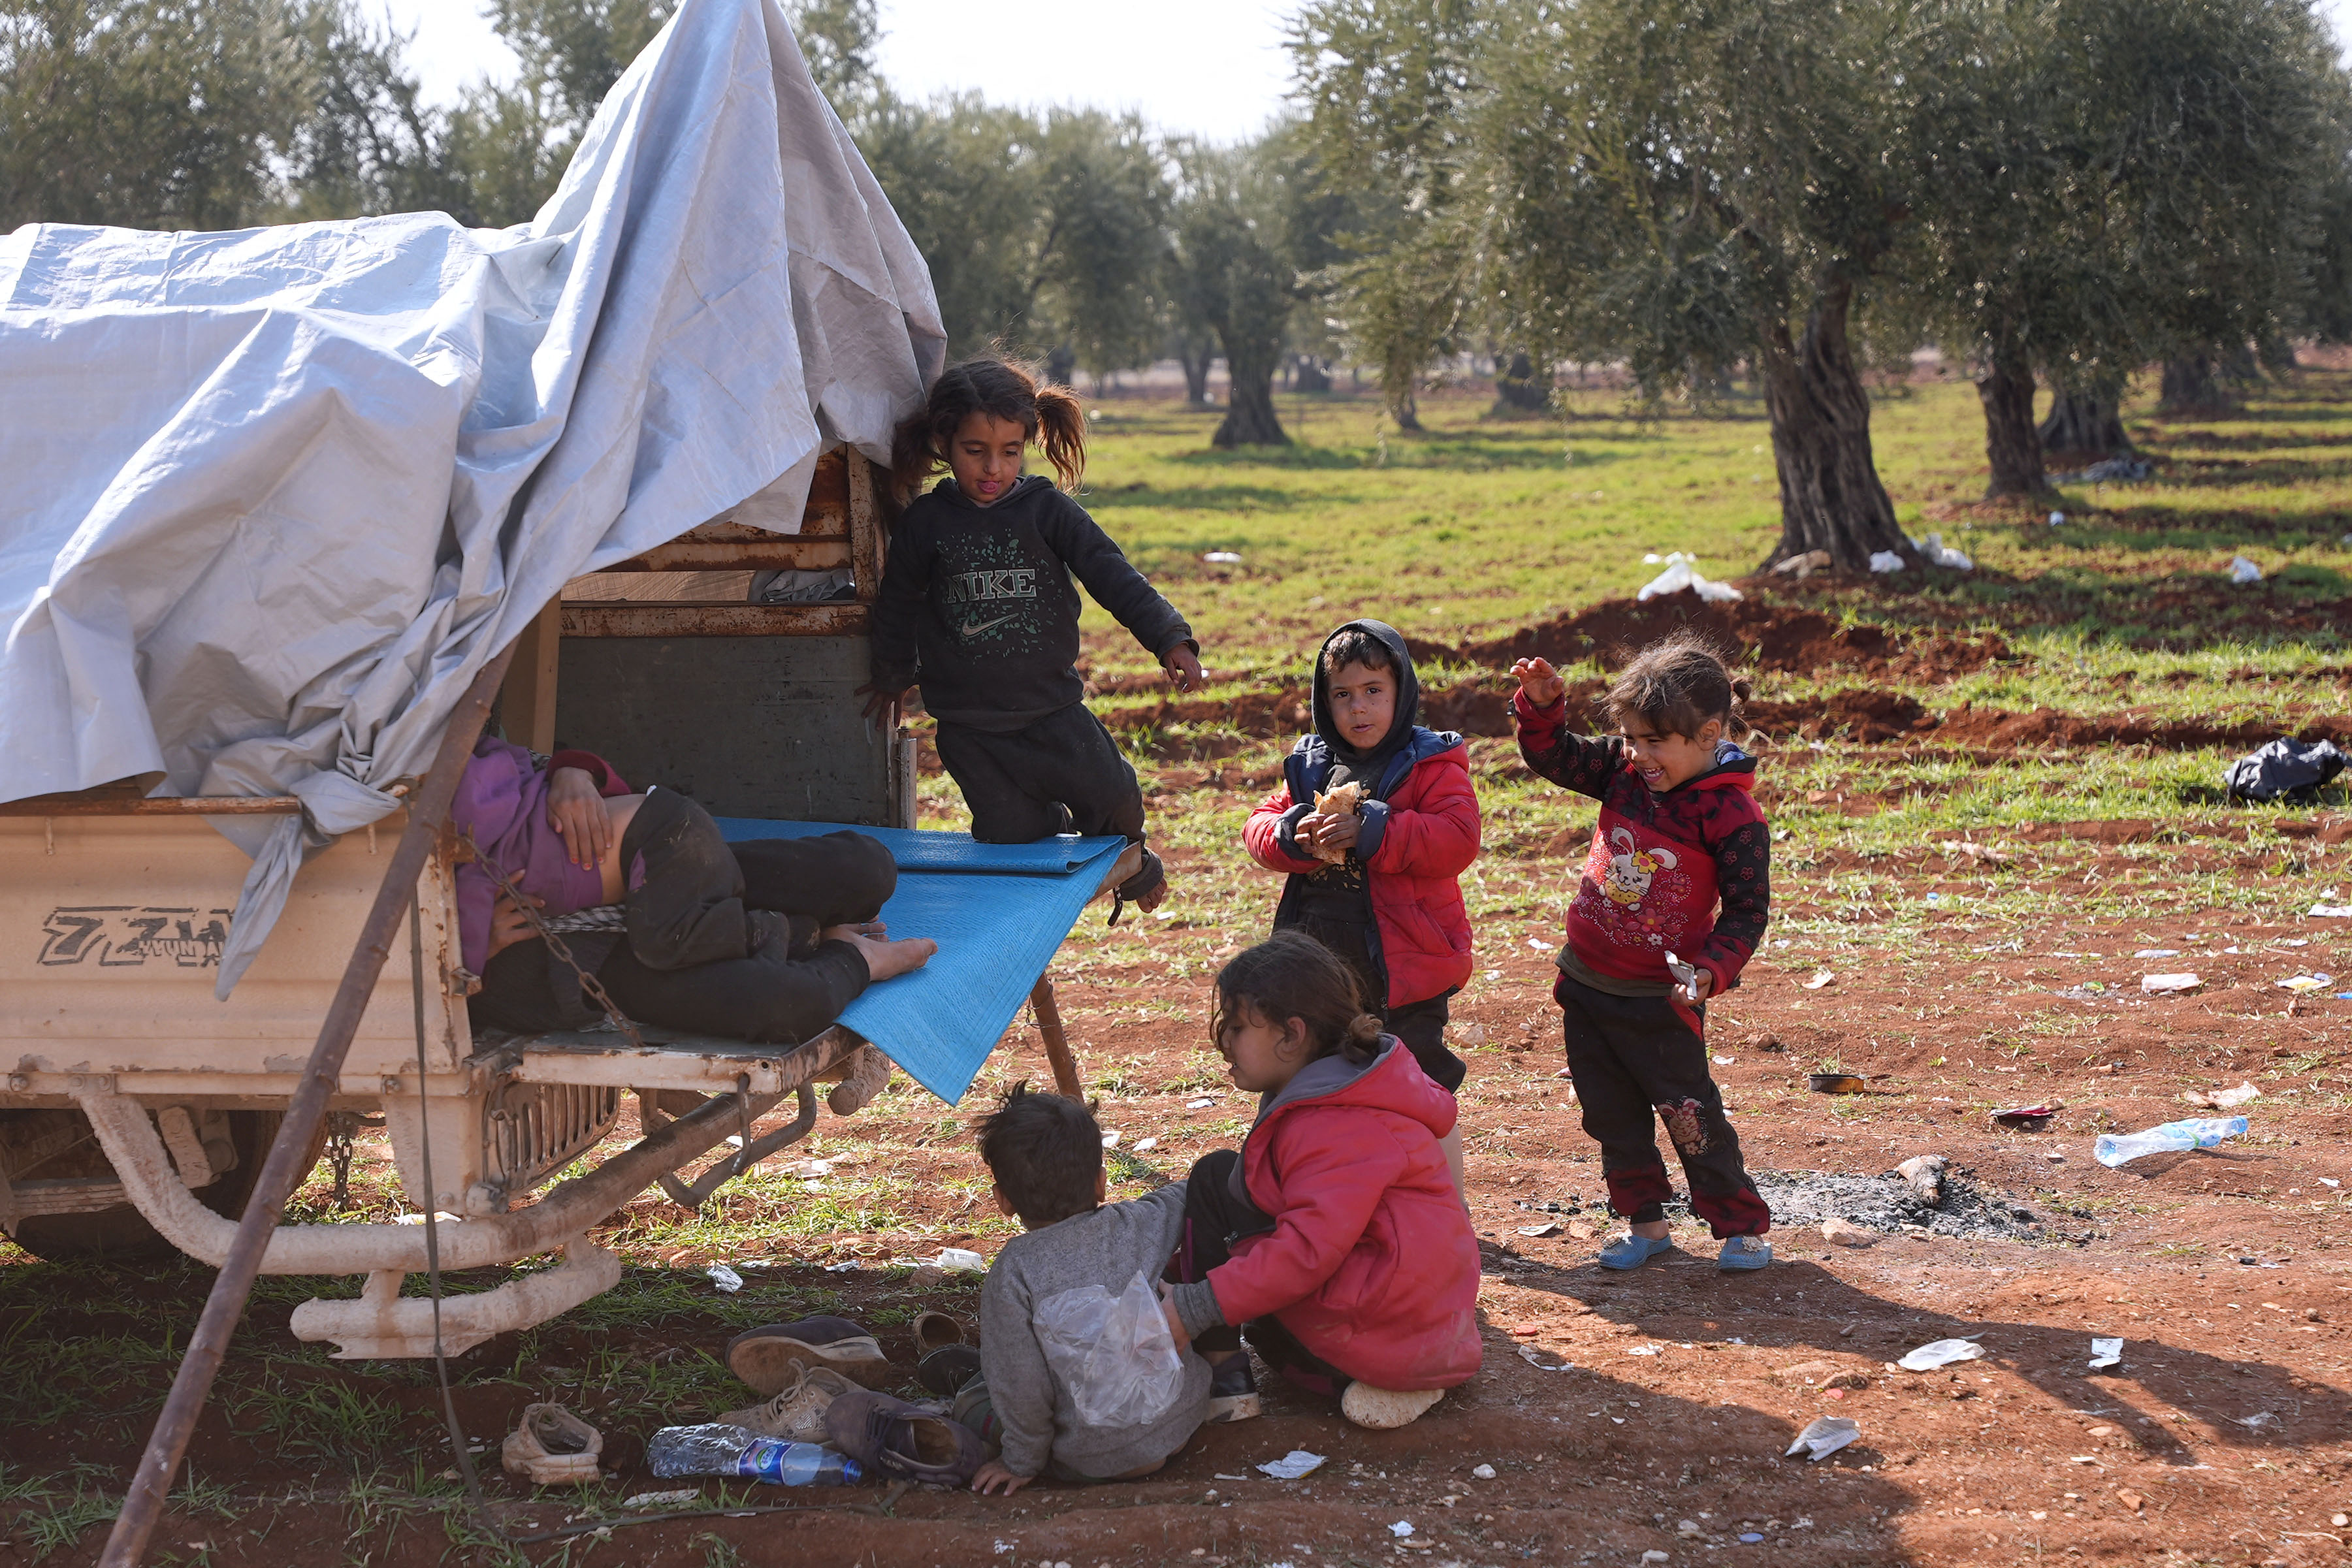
(2290, 770)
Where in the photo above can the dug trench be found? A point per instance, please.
(1768, 637)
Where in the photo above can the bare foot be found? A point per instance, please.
(851, 932)
(885, 959)
(1152, 900)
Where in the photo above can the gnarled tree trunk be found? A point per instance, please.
(2012, 449)
(1830, 498)
(2190, 385)
(2087, 421)
(1405, 409)
(1196, 372)
(1519, 389)
(1249, 412)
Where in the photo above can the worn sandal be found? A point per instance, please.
(797, 1412)
(1630, 1251)
(551, 1447)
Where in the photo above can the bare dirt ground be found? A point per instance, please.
(1627, 1420)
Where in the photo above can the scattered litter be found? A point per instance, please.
(1722, 1060)
(2057, 519)
(2332, 910)
(2243, 570)
(1940, 554)
(1483, 1473)
(1110, 1139)
(1203, 1103)
(1886, 561)
(1835, 1083)
(960, 1260)
(1825, 1437)
(2169, 985)
(1846, 1233)
(1654, 1556)
(1748, 1538)
(1941, 1352)
(2107, 469)
(848, 1266)
(2198, 1134)
(1538, 943)
(1645, 1350)
(1291, 1466)
(2304, 985)
(1967, 850)
(1924, 1173)
(1145, 1145)
(2158, 953)
(1804, 566)
(678, 1498)
(1534, 1358)
(1223, 558)
(2292, 942)
(728, 1280)
(2026, 1118)
(1685, 979)
(2106, 1353)
(1400, 1529)
(1820, 978)
(2224, 1099)
(2258, 1421)
(1550, 1228)
(1682, 573)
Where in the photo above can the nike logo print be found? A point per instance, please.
(974, 628)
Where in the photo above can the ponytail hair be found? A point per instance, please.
(1047, 414)
(1292, 976)
(1676, 685)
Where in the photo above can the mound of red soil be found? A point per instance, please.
(2131, 726)
(1774, 636)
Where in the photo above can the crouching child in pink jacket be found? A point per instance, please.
(1335, 1238)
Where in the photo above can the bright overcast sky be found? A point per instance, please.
(1214, 67)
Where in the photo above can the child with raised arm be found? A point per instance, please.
(1378, 883)
(978, 606)
(1335, 1238)
(1679, 834)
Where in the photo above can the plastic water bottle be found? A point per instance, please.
(2198, 1132)
(718, 1450)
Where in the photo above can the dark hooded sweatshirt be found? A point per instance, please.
(1336, 903)
(979, 605)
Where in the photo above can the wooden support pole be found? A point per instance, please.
(527, 703)
(150, 1483)
(1057, 1044)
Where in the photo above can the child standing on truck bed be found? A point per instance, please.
(1679, 831)
(978, 607)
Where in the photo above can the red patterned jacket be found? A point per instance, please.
(1659, 862)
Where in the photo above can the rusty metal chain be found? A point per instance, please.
(590, 986)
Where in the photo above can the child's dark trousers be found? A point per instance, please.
(1217, 1214)
(1634, 1059)
(1060, 775)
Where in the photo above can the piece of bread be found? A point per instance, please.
(1341, 802)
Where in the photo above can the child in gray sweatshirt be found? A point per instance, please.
(1076, 1251)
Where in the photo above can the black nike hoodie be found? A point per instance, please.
(980, 604)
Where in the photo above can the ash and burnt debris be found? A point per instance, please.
(1890, 1202)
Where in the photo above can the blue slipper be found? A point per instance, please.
(1629, 1252)
(1743, 1252)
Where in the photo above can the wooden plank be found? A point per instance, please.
(717, 621)
(161, 806)
(527, 701)
(865, 532)
(766, 553)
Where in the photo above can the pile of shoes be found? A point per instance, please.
(810, 1372)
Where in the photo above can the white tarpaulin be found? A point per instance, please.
(273, 497)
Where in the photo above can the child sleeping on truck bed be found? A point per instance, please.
(766, 941)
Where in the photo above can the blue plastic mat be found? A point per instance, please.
(996, 933)
(915, 850)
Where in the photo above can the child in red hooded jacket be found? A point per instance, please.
(1385, 895)
(1336, 1236)
(1679, 832)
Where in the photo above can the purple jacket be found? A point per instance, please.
(502, 801)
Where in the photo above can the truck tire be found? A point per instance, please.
(119, 1231)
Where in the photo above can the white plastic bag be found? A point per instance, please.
(1113, 1354)
(1886, 561)
(1682, 571)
